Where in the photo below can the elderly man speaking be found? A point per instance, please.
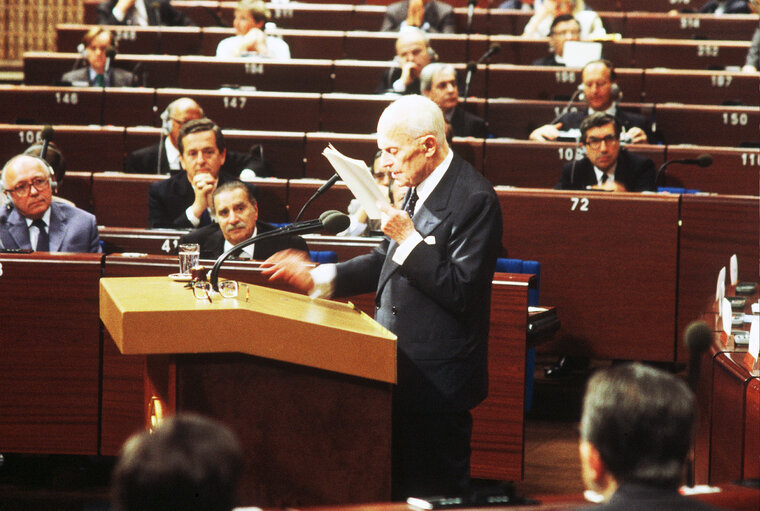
(432, 277)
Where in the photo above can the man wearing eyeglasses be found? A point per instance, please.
(32, 220)
(606, 166)
(564, 28)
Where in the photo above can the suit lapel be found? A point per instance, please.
(429, 215)
(18, 230)
(57, 227)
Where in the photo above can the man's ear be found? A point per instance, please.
(592, 462)
(431, 146)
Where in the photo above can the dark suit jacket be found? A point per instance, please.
(573, 120)
(634, 497)
(391, 75)
(169, 15)
(114, 78)
(144, 161)
(548, 60)
(732, 7)
(438, 301)
(634, 172)
(71, 229)
(169, 198)
(439, 17)
(465, 124)
(211, 241)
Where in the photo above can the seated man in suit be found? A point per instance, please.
(238, 215)
(32, 220)
(413, 53)
(637, 428)
(601, 94)
(141, 13)
(427, 15)
(249, 39)
(177, 113)
(183, 200)
(96, 42)
(186, 463)
(606, 166)
(439, 84)
(564, 28)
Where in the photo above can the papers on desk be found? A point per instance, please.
(733, 271)
(754, 335)
(359, 180)
(720, 288)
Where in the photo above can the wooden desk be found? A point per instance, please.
(165, 40)
(735, 171)
(608, 263)
(685, 54)
(700, 87)
(730, 126)
(49, 353)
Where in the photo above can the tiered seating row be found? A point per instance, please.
(336, 16)
(731, 126)
(363, 77)
(337, 44)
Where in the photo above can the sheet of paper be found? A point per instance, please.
(725, 308)
(733, 271)
(720, 287)
(754, 339)
(359, 180)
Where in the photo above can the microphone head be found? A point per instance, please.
(335, 222)
(155, 5)
(697, 337)
(704, 160)
(47, 133)
(111, 52)
(495, 48)
(327, 213)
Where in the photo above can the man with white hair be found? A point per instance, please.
(439, 84)
(32, 220)
(432, 277)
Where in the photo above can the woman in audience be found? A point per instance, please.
(539, 25)
(250, 39)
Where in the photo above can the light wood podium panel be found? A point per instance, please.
(305, 384)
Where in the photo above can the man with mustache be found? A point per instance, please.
(237, 213)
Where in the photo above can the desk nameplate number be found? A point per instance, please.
(579, 203)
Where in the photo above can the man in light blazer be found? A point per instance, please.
(432, 278)
(32, 220)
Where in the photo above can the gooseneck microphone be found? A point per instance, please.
(156, 8)
(473, 66)
(322, 189)
(470, 11)
(703, 160)
(490, 52)
(330, 221)
(47, 135)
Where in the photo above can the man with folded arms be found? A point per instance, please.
(31, 219)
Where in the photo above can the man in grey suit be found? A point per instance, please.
(96, 43)
(637, 428)
(32, 220)
(432, 277)
(428, 15)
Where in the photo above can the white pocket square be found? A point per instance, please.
(430, 240)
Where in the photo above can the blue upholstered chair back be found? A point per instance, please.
(323, 256)
(504, 265)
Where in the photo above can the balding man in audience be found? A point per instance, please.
(183, 200)
(602, 94)
(439, 84)
(637, 430)
(413, 53)
(142, 13)
(32, 220)
(432, 281)
(427, 15)
(187, 463)
(164, 157)
(606, 166)
(237, 214)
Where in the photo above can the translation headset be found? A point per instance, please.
(166, 122)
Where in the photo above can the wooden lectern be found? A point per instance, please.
(305, 384)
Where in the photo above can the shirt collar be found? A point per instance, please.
(426, 187)
(612, 110)
(248, 250)
(610, 173)
(172, 154)
(45, 218)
